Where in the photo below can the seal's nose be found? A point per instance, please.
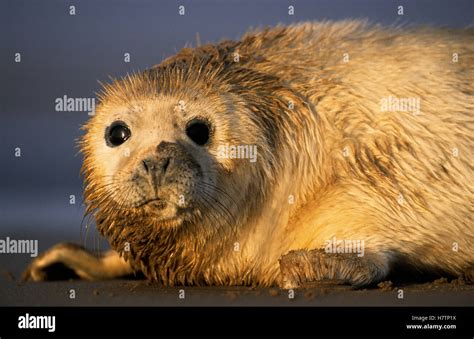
(167, 165)
(157, 166)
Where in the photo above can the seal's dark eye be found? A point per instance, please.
(117, 133)
(198, 131)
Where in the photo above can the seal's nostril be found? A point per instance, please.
(151, 166)
(165, 165)
(145, 166)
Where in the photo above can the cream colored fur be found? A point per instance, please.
(401, 181)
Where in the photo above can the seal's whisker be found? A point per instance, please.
(205, 187)
(220, 190)
(213, 214)
(229, 217)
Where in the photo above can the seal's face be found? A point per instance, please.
(155, 156)
(158, 156)
(160, 161)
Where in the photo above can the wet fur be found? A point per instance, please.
(300, 154)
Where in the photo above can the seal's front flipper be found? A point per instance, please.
(302, 267)
(468, 275)
(67, 260)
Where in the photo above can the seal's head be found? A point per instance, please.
(161, 163)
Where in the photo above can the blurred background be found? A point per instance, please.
(63, 54)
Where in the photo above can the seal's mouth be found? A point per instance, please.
(166, 213)
(157, 203)
(173, 217)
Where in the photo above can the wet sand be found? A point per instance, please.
(13, 292)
